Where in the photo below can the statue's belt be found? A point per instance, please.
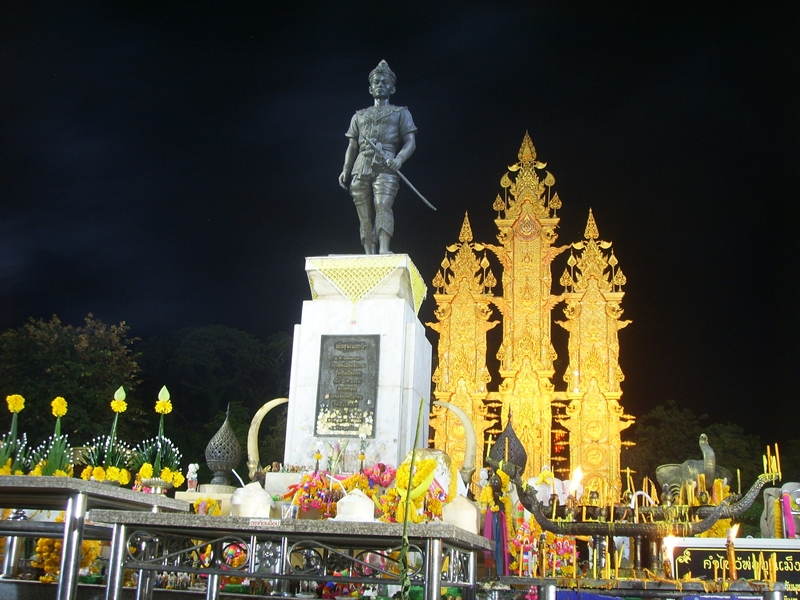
(367, 150)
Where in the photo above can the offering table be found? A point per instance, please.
(74, 496)
(292, 550)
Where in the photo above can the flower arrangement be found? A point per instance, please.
(158, 457)
(313, 492)
(381, 474)
(393, 503)
(426, 497)
(54, 455)
(47, 556)
(359, 481)
(207, 506)
(107, 457)
(13, 449)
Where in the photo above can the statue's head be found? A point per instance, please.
(382, 81)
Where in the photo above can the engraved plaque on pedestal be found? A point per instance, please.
(347, 388)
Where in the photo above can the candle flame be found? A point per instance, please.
(734, 530)
(577, 476)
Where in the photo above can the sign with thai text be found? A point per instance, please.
(755, 559)
(347, 387)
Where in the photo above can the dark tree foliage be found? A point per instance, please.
(85, 365)
(205, 369)
(668, 434)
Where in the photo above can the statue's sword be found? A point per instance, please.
(380, 153)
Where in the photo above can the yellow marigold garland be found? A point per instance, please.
(393, 503)
(47, 556)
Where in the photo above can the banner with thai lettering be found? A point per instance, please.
(755, 558)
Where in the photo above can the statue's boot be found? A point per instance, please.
(366, 228)
(384, 221)
(383, 240)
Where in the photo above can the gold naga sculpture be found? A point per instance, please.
(470, 302)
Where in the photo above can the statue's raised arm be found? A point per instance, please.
(381, 138)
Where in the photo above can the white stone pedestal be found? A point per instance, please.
(361, 295)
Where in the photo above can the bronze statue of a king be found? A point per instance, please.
(382, 138)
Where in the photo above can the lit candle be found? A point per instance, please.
(739, 480)
(764, 459)
(731, 550)
(668, 548)
(777, 457)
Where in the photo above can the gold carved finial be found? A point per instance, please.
(466, 230)
(591, 232)
(527, 153)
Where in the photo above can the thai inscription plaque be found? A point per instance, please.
(347, 387)
(755, 558)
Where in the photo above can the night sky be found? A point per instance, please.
(171, 165)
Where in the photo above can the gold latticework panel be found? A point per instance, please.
(356, 277)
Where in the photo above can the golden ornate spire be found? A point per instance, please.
(594, 416)
(466, 301)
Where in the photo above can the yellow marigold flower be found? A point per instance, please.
(59, 406)
(177, 479)
(99, 473)
(60, 473)
(166, 474)
(86, 474)
(112, 473)
(119, 406)
(37, 471)
(163, 407)
(15, 403)
(124, 476)
(146, 472)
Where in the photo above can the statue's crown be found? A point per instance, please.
(383, 67)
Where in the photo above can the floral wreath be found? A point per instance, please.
(427, 497)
